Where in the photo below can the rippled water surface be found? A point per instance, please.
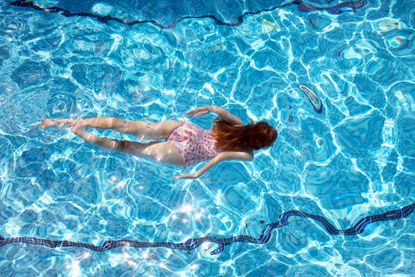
(355, 158)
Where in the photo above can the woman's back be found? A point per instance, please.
(195, 144)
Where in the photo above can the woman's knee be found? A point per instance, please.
(121, 145)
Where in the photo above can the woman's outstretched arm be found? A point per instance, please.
(242, 156)
(221, 112)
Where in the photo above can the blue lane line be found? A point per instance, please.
(301, 4)
(193, 243)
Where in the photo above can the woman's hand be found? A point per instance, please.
(186, 176)
(199, 111)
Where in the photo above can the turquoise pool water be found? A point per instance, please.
(355, 158)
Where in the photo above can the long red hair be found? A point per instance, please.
(248, 137)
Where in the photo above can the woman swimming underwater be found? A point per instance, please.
(186, 143)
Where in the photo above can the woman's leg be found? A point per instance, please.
(159, 151)
(57, 123)
(142, 129)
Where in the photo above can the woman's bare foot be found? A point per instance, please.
(46, 123)
(79, 130)
(57, 123)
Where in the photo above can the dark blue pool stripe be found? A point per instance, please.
(301, 4)
(193, 243)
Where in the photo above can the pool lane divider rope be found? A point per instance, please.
(302, 5)
(193, 243)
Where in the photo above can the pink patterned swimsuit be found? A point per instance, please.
(193, 143)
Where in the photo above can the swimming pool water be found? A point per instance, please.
(355, 158)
